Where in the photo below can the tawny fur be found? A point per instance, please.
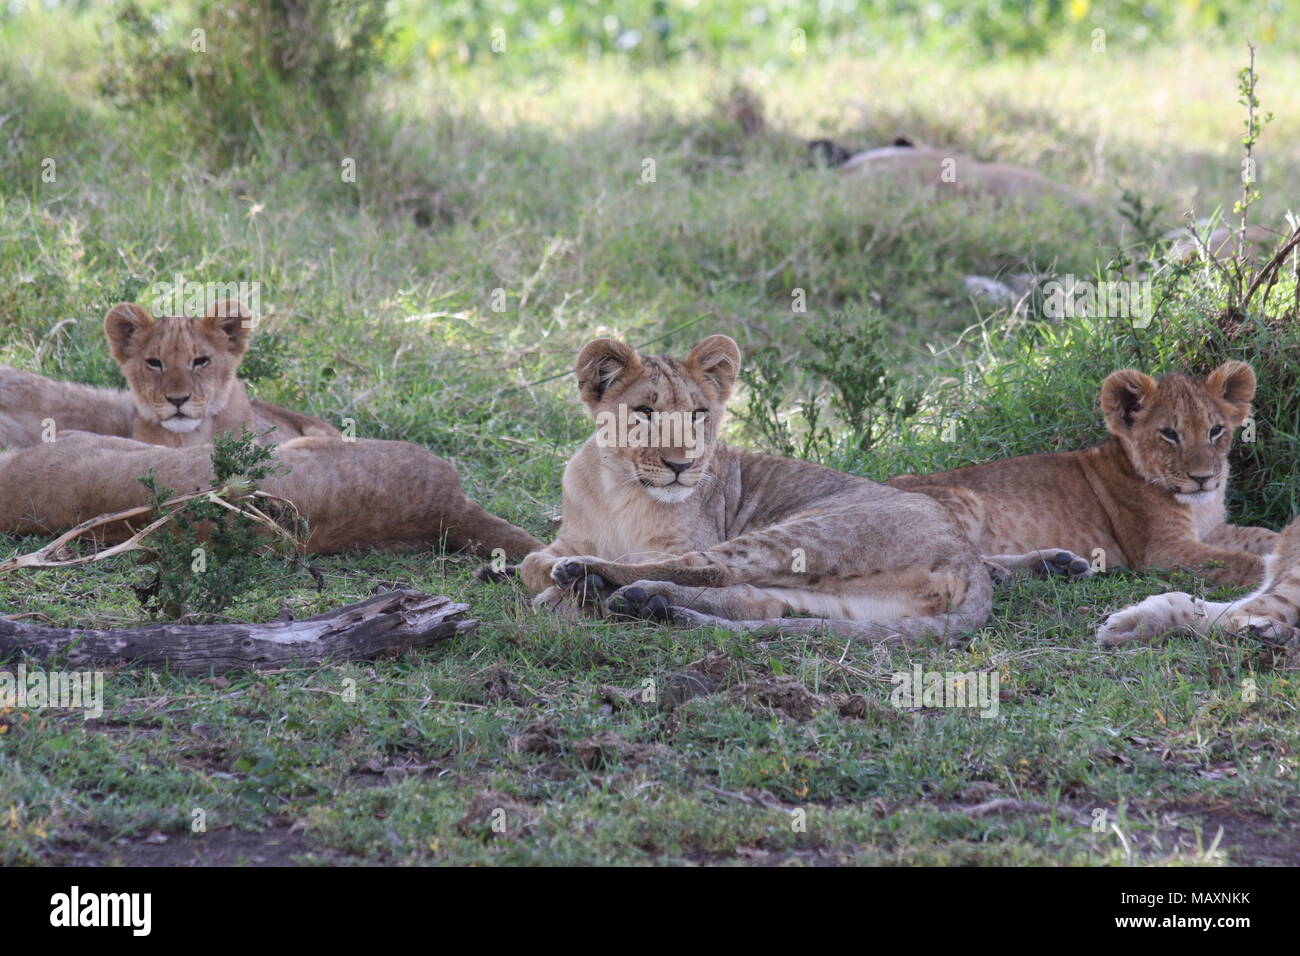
(34, 409)
(1142, 498)
(175, 358)
(1271, 612)
(740, 540)
(1222, 243)
(354, 494)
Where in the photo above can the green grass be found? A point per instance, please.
(378, 300)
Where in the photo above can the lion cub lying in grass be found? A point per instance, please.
(366, 493)
(1272, 612)
(689, 530)
(182, 387)
(1150, 495)
(183, 393)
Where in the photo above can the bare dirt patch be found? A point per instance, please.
(275, 846)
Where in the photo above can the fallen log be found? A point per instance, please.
(387, 623)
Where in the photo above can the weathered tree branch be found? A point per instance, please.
(50, 555)
(386, 623)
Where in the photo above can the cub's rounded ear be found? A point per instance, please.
(601, 363)
(230, 319)
(1123, 395)
(124, 323)
(717, 360)
(1234, 382)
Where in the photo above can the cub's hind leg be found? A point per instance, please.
(656, 600)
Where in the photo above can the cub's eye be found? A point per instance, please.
(1215, 432)
(201, 361)
(645, 411)
(153, 363)
(1169, 435)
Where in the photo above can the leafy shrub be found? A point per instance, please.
(849, 371)
(209, 555)
(238, 67)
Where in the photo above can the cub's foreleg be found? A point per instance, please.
(760, 612)
(1219, 564)
(781, 554)
(1047, 563)
(1243, 538)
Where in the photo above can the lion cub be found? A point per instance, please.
(182, 377)
(662, 520)
(1150, 495)
(367, 493)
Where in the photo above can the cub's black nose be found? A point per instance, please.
(677, 466)
(178, 400)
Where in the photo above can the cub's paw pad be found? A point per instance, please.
(1066, 563)
(588, 587)
(637, 602)
(567, 573)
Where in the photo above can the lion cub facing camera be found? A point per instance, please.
(182, 377)
(689, 530)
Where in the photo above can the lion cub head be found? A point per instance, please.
(1177, 430)
(181, 371)
(657, 418)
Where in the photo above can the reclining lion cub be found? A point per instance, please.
(700, 533)
(182, 387)
(366, 493)
(1150, 495)
(181, 373)
(1271, 612)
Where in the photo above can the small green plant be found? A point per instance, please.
(266, 359)
(1144, 219)
(866, 395)
(210, 552)
(1254, 125)
(265, 780)
(851, 366)
(764, 374)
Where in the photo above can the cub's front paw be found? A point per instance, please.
(573, 576)
(1063, 563)
(642, 602)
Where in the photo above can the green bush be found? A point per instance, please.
(210, 556)
(234, 69)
